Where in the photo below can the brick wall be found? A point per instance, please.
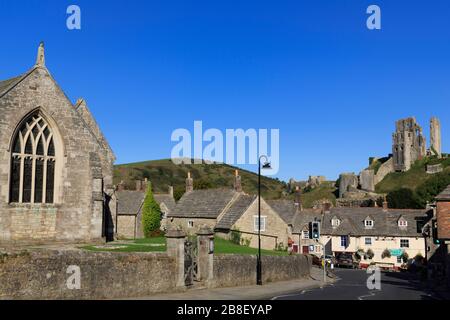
(443, 219)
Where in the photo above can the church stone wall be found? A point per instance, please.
(72, 218)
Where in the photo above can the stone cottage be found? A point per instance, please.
(129, 209)
(56, 166)
(227, 212)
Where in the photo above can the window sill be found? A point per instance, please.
(34, 205)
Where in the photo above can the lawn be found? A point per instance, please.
(159, 245)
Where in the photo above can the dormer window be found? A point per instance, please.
(335, 222)
(402, 223)
(368, 223)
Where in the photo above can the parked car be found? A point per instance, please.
(329, 259)
(345, 259)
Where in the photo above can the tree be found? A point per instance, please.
(428, 190)
(151, 215)
(370, 254)
(403, 198)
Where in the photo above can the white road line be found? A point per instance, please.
(366, 296)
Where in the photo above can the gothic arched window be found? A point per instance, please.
(33, 162)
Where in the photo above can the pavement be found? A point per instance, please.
(254, 292)
(352, 285)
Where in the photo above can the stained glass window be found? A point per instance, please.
(33, 162)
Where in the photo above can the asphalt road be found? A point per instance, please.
(352, 285)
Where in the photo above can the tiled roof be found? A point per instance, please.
(235, 211)
(129, 202)
(303, 218)
(167, 199)
(444, 195)
(284, 208)
(385, 223)
(207, 203)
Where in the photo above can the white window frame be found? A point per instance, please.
(261, 225)
(402, 223)
(335, 222)
(305, 234)
(190, 223)
(368, 224)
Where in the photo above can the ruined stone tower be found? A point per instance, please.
(408, 145)
(435, 137)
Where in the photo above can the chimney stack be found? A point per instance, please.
(237, 181)
(120, 186)
(298, 199)
(171, 191)
(327, 207)
(385, 204)
(189, 183)
(139, 185)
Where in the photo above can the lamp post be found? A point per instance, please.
(258, 261)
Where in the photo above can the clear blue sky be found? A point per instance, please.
(310, 68)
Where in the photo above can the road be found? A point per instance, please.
(352, 285)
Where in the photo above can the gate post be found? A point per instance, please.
(205, 245)
(175, 249)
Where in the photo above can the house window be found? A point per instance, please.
(335, 222)
(344, 241)
(190, 223)
(33, 160)
(402, 223)
(259, 226)
(305, 234)
(368, 241)
(404, 243)
(368, 223)
(318, 249)
(399, 259)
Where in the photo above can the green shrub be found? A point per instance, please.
(151, 215)
(386, 254)
(235, 237)
(370, 254)
(427, 191)
(405, 257)
(403, 198)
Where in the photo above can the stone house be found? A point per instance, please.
(229, 211)
(129, 209)
(443, 214)
(378, 229)
(56, 166)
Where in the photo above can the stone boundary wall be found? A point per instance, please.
(384, 170)
(104, 275)
(232, 270)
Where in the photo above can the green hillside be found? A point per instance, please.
(412, 178)
(163, 173)
(324, 191)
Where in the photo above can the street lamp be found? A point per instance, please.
(266, 165)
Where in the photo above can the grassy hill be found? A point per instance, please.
(163, 173)
(326, 190)
(412, 178)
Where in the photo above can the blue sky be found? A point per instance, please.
(309, 68)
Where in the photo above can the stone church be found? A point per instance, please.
(56, 166)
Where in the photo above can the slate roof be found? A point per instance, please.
(284, 208)
(208, 203)
(385, 223)
(129, 202)
(303, 218)
(167, 199)
(235, 211)
(444, 195)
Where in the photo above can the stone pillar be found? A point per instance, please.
(298, 199)
(367, 180)
(205, 245)
(171, 191)
(435, 137)
(175, 249)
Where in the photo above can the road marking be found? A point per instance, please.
(366, 296)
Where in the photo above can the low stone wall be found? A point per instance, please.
(103, 275)
(236, 270)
